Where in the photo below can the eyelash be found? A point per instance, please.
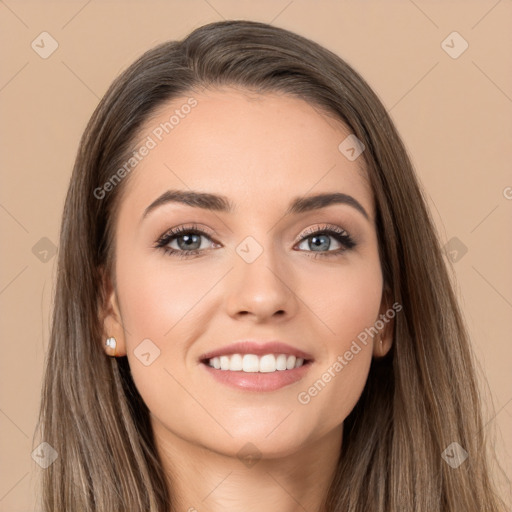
(339, 234)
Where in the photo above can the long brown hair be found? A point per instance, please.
(418, 399)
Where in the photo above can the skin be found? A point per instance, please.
(260, 151)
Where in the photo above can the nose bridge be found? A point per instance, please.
(260, 283)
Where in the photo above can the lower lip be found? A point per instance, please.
(258, 381)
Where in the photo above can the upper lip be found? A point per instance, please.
(257, 348)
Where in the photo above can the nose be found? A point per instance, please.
(261, 290)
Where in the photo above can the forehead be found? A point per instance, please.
(247, 146)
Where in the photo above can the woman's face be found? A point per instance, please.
(256, 272)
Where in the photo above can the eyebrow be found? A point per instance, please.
(220, 203)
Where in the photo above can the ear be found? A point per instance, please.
(110, 317)
(386, 317)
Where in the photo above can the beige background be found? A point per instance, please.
(454, 115)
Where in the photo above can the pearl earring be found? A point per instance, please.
(111, 342)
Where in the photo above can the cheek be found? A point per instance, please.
(346, 301)
(158, 315)
(155, 299)
(162, 304)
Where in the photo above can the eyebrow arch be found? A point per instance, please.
(221, 203)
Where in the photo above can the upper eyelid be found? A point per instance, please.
(321, 228)
(186, 229)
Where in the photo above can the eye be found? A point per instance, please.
(318, 240)
(187, 241)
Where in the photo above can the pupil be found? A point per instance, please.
(188, 240)
(318, 242)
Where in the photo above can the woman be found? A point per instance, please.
(202, 357)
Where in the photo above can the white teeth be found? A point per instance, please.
(235, 363)
(281, 362)
(251, 363)
(267, 364)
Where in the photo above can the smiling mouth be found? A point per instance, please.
(252, 363)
